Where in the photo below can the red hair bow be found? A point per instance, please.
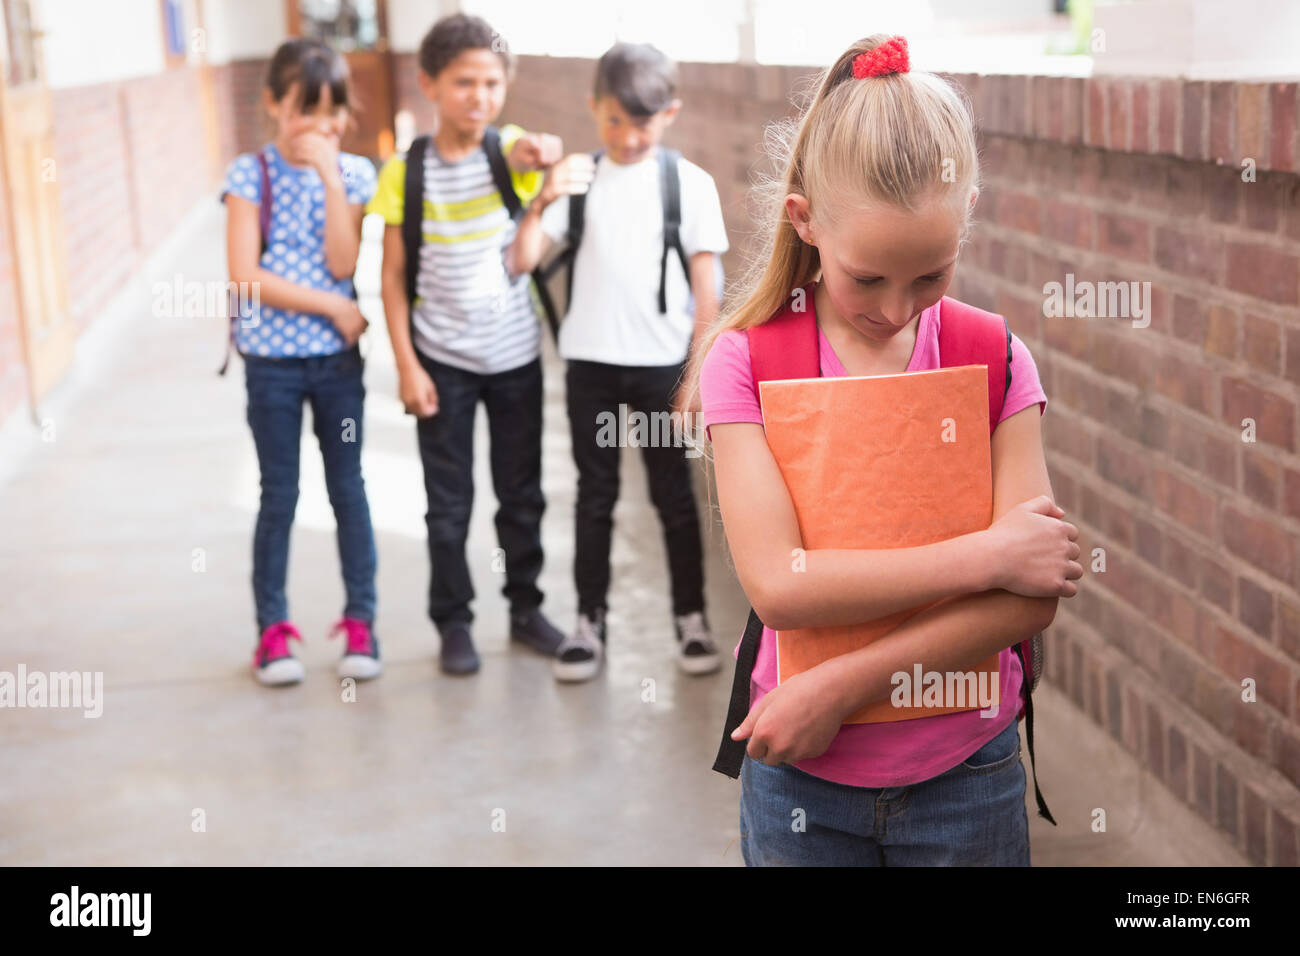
(889, 57)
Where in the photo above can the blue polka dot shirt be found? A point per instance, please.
(295, 250)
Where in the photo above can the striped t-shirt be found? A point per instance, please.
(467, 312)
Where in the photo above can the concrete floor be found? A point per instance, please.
(151, 459)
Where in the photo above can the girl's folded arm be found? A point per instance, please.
(789, 587)
(958, 634)
(243, 243)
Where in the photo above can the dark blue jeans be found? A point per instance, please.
(513, 400)
(277, 390)
(973, 814)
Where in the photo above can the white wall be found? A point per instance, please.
(91, 41)
(244, 29)
(409, 21)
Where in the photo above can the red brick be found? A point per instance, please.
(1176, 777)
(1260, 478)
(1019, 211)
(1202, 785)
(1195, 138)
(1252, 106)
(1288, 627)
(1262, 344)
(1282, 120)
(1212, 328)
(1227, 790)
(1068, 222)
(1223, 146)
(1182, 501)
(1284, 847)
(1167, 120)
(1215, 583)
(1221, 192)
(1179, 378)
(1124, 236)
(1094, 131)
(1192, 255)
(1255, 607)
(1118, 114)
(1293, 355)
(1264, 272)
(1274, 414)
(1251, 730)
(1287, 751)
(1142, 116)
(1259, 541)
(1254, 814)
(1291, 493)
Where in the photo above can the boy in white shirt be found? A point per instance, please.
(629, 330)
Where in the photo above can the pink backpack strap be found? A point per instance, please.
(785, 346)
(971, 336)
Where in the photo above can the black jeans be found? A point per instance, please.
(595, 392)
(514, 408)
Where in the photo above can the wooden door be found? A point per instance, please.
(359, 30)
(32, 201)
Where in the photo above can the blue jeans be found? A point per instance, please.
(277, 390)
(971, 815)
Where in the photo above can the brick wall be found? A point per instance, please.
(1118, 180)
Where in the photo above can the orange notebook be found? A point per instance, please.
(885, 461)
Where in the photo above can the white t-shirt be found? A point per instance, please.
(614, 313)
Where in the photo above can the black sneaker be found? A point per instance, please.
(580, 656)
(696, 653)
(457, 655)
(533, 629)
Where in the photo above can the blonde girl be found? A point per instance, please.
(874, 206)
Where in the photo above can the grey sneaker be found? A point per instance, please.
(696, 653)
(532, 629)
(580, 655)
(457, 655)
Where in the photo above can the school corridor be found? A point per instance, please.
(1157, 152)
(126, 551)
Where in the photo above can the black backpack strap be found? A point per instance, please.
(671, 188)
(515, 207)
(731, 753)
(1043, 812)
(413, 211)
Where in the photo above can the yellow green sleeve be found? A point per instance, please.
(390, 191)
(527, 185)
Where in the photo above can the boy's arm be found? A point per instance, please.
(530, 244)
(705, 291)
(533, 151)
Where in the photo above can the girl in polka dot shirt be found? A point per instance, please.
(298, 337)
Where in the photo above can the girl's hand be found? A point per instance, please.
(536, 151)
(573, 174)
(417, 392)
(795, 721)
(318, 151)
(1034, 550)
(347, 318)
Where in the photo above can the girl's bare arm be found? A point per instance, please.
(958, 634)
(833, 586)
(243, 252)
(342, 228)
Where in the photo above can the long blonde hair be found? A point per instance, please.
(899, 139)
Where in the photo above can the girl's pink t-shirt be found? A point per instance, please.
(902, 752)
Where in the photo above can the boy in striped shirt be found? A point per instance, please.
(470, 334)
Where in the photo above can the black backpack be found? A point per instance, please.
(671, 191)
(413, 213)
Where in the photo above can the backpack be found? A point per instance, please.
(671, 192)
(786, 347)
(413, 213)
(264, 230)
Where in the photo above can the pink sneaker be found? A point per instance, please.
(273, 662)
(361, 656)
